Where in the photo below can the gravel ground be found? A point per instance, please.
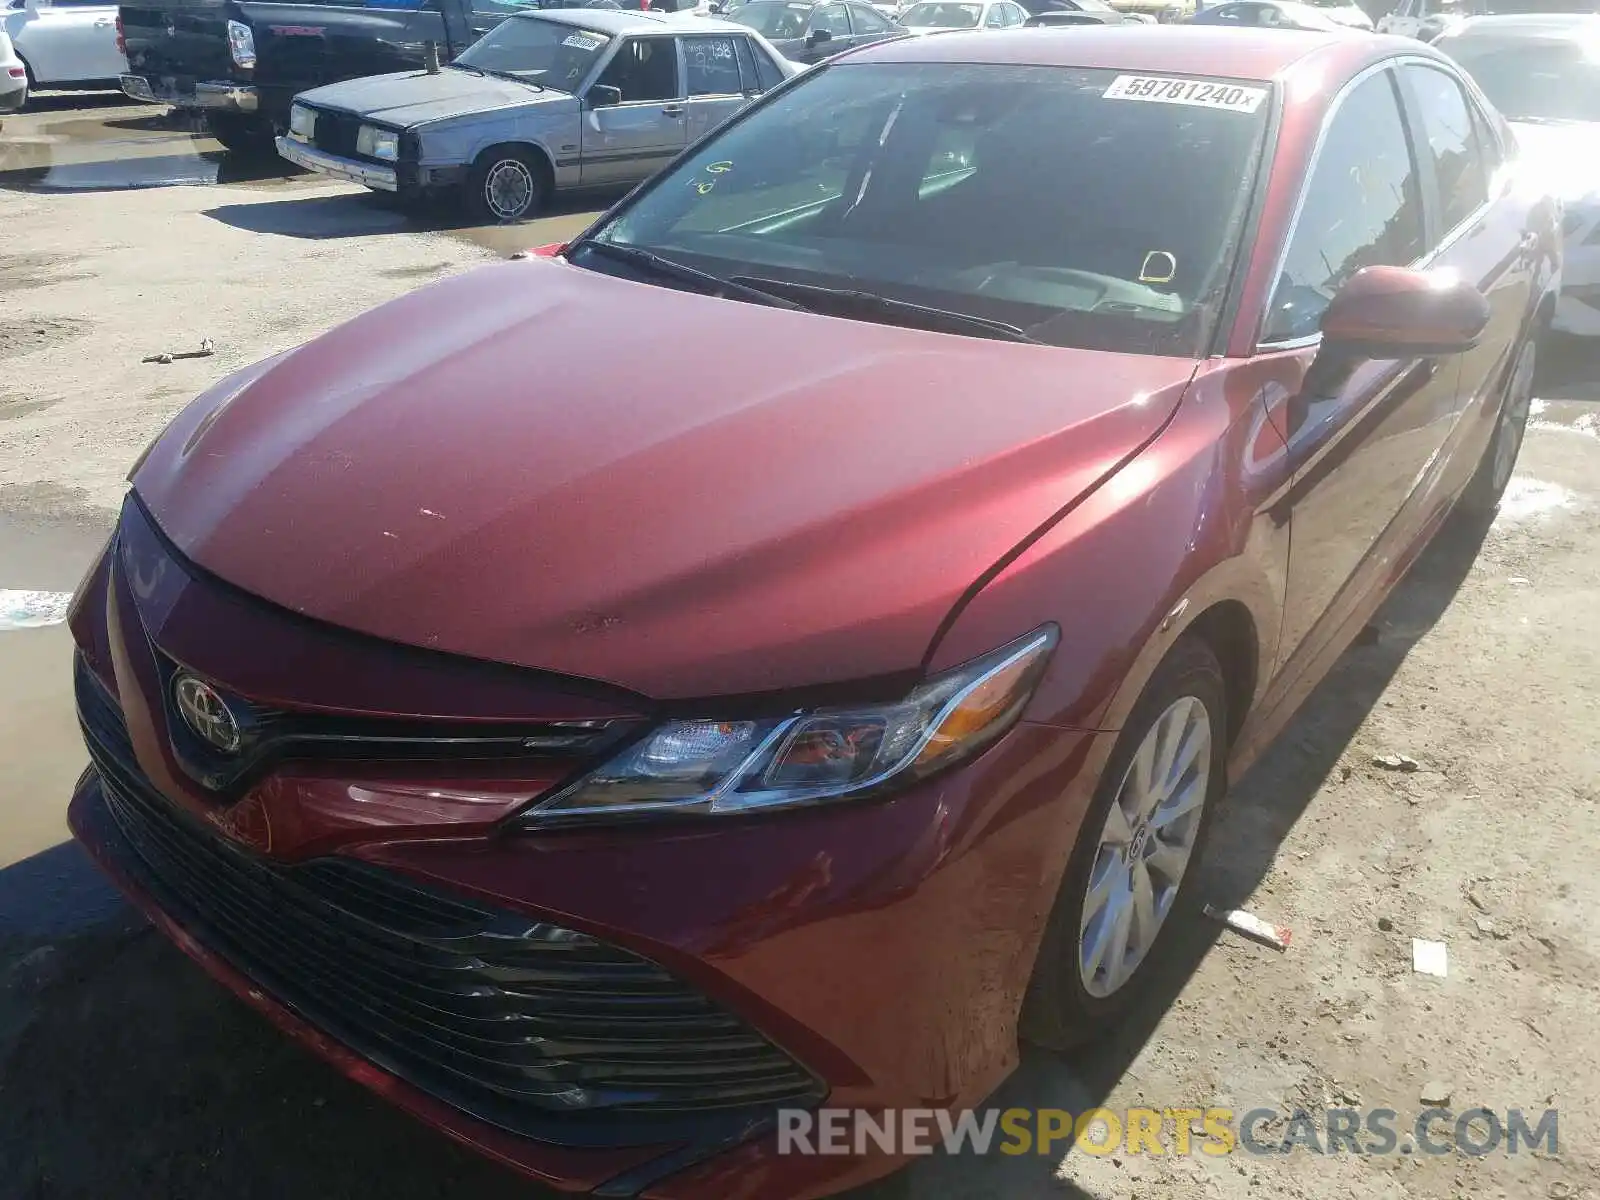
(124, 1072)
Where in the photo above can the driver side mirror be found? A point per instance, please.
(1395, 312)
(817, 36)
(603, 95)
(1389, 312)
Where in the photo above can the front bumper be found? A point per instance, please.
(217, 97)
(883, 947)
(349, 169)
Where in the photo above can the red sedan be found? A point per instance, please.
(789, 644)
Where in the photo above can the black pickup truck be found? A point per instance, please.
(240, 62)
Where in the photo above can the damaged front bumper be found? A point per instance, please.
(349, 169)
(218, 97)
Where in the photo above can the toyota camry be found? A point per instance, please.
(599, 753)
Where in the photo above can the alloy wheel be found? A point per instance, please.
(1145, 846)
(509, 189)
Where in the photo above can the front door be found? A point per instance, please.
(716, 87)
(627, 142)
(827, 33)
(867, 25)
(1360, 434)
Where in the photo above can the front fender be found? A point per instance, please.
(1183, 527)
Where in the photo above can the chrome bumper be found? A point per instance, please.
(301, 155)
(226, 97)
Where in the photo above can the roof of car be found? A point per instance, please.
(1216, 51)
(1559, 26)
(616, 21)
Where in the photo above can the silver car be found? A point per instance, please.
(560, 98)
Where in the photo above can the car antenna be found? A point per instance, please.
(430, 57)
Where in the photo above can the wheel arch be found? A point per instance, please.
(538, 150)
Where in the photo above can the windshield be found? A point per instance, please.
(942, 16)
(1532, 81)
(776, 21)
(552, 54)
(1041, 197)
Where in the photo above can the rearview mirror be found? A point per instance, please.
(603, 95)
(1395, 312)
(817, 36)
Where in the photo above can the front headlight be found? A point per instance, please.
(241, 44)
(710, 767)
(302, 122)
(378, 143)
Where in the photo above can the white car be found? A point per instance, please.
(64, 43)
(1539, 72)
(1427, 19)
(946, 16)
(13, 77)
(1343, 12)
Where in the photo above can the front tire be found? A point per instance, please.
(1127, 886)
(507, 184)
(1482, 495)
(240, 133)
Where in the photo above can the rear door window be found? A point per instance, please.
(711, 66)
(1450, 142)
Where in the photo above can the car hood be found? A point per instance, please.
(1561, 158)
(686, 496)
(411, 97)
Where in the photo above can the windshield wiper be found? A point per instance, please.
(514, 77)
(461, 66)
(846, 301)
(671, 269)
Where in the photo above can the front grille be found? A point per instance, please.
(335, 133)
(537, 1029)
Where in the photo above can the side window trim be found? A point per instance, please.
(1439, 239)
(1387, 66)
(744, 52)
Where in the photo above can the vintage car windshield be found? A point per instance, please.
(552, 54)
(1042, 197)
(942, 16)
(1532, 81)
(773, 20)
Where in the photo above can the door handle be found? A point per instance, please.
(672, 110)
(103, 24)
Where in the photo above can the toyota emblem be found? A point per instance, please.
(207, 713)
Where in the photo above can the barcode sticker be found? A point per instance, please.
(1157, 89)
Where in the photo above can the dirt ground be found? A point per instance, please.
(125, 1073)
